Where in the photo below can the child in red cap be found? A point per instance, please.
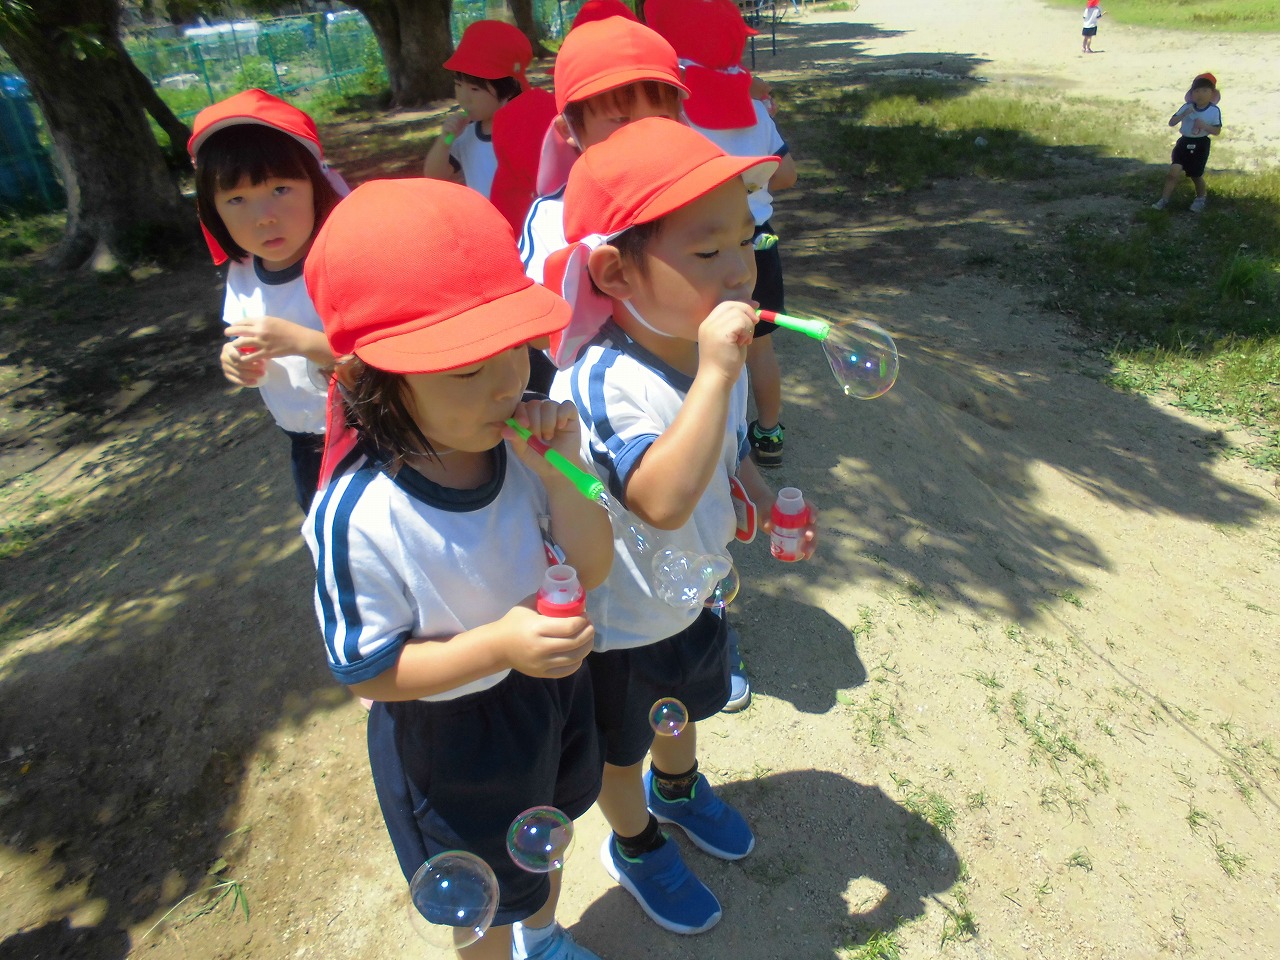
(488, 68)
(709, 36)
(1200, 119)
(262, 192)
(660, 278)
(1092, 14)
(435, 533)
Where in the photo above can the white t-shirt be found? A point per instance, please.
(762, 140)
(626, 398)
(1210, 116)
(543, 233)
(294, 389)
(474, 153)
(405, 557)
(1091, 16)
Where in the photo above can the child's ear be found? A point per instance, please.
(610, 272)
(562, 128)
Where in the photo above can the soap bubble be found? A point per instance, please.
(668, 717)
(863, 358)
(453, 897)
(683, 579)
(724, 592)
(539, 839)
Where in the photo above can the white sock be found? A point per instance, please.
(528, 940)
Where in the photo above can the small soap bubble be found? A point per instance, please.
(539, 839)
(680, 579)
(668, 717)
(724, 592)
(452, 899)
(863, 358)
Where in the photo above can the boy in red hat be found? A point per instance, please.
(1092, 14)
(489, 71)
(660, 278)
(1200, 119)
(435, 532)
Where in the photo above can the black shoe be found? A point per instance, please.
(766, 446)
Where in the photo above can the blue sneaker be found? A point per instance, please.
(664, 887)
(711, 824)
(559, 946)
(739, 683)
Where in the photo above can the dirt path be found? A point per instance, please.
(1022, 705)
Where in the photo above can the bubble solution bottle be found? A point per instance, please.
(560, 594)
(789, 517)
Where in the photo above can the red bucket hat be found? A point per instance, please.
(421, 276)
(642, 173)
(708, 37)
(492, 49)
(594, 10)
(519, 128)
(258, 106)
(606, 54)
(1217, 94)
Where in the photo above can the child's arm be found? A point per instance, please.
(1177, 117)
(667, 483)
(762, 496)
(785, 176)
(437, 165)
(265, 338)
(522, 640)
(580, 528)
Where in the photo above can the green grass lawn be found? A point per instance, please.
(1238, 16)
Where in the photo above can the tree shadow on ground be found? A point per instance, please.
(835, 862)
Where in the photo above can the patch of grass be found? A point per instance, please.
(1219, 16)
(1081, 860)
(960, 924)
(881, 945)
(220, 890)
(1231, 862)
(1051, 738)
(929, 805)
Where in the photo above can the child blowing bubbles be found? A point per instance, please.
(434, 535)
(660, 279)
(489, 67)
(262, 192)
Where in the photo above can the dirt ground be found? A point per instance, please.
(1021, 704)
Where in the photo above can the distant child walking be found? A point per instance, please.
(660, 279)
(1092, 14)
(1199, 119)
(435, 532)
(262, 192)
(488, 71)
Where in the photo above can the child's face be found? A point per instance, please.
(701, 257)
(273, 220)
(1202, 97)
(478, 102)
(605, 114)
(466, 409)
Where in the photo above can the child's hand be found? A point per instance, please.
(550, 647)
(808, 541)
(724, 336)
(265, 338)
(454, 124)
(242, 369)
(555, 425)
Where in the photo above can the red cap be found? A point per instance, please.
(606, 54)
(643, 172)
(253, 106)
(492, 49)
(594, 10)
(708, 32)
(519, 127)
(421, 276)
(647, 170)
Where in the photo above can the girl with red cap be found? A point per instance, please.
(435, 532)
(659, 276)
(262, 192)
(488, 72)
(1092, 14)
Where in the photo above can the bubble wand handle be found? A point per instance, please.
(817, 329)
(587, 485)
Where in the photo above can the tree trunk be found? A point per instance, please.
(122, 204)
(177, 131)
(414, 38)
(522, 12)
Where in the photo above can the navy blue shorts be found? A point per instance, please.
(1192, 154)
(1089, 31)
(453, 774)
(768, 292)
(306, 454)
(692, 666)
